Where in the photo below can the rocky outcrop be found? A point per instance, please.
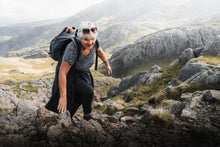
(191, 69)
(202, 109)
(213, 48)
(163, 44)
(145, 78)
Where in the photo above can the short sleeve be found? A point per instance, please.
(70, 53)
(97, 43)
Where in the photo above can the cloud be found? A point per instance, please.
(12, 11)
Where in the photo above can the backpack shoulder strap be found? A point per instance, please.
(77, 46)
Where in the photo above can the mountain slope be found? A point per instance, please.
(163, 44)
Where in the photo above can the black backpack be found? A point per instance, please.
(59, 43)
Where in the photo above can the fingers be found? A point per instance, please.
(61, 108)
(69, 30)
(109, 71)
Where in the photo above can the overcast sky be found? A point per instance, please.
(19, 11)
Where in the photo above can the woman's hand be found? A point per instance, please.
(62, 105)
(108, 68)
(69, 30)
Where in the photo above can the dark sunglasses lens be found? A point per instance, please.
(85, 31)
(93, 30)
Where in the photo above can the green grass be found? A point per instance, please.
(26, 69)
(209, 59)
(100, 108)
(164, 63)
(27, 88)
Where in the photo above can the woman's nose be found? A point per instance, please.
(90, 42)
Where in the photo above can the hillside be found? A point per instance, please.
(178, 105)
(164, 44)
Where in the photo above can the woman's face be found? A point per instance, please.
(88, 43)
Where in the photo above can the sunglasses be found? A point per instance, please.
(86, 30)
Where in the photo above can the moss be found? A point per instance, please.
(118, 97)
(99, 107)
(166, 116)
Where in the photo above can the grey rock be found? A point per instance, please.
(145, 117)
(188, 111)
(128, 119)
(99, 136)
(36, 54)
(186, 55)
(132, 111)
(118, 115)
(135, 80)
(213, 48)
(130, 97)
(112, 119)
(65, 119)
(152, 78)
(55, 132)
(175, 62)
(213, 78)
(212, 96)
(125, 84)
(13, 140)
(145, 108)
(177, 108)
(204, 77)
(192, 68)
(197, 51)
(163, 44)
(186, 95)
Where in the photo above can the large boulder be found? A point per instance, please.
(186, 55)
(192, 68)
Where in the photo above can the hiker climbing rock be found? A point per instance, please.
(73, 84)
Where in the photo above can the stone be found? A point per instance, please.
(213, 48)
(54, 132)
(186, 55)
(13, 140)
(132, 111)
(211, 96)
(192, 68)
(177, 108)
(128, 119)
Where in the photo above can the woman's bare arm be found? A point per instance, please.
(101, 54)
(64, 69)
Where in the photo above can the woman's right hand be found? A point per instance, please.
(62, 105)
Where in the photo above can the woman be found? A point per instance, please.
(73, 83)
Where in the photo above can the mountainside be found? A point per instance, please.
(111, 16)
(163, 44)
